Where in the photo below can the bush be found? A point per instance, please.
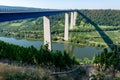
(31, 55)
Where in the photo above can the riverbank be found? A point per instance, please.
(89, 43)
(74, 49)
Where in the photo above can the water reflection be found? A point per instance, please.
(69, 48)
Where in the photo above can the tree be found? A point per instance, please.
(108, 60)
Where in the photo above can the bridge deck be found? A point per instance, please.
(9, 15)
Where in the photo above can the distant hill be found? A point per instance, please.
(104, 17)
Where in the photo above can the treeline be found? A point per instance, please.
(104, 17)
(31, 55)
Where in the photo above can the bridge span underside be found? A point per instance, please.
(18, 15)
(9, 16)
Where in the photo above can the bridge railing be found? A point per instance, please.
(65, 72)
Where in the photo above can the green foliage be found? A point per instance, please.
(108, 61)
(31, 55)
(103, 17)
(87, 61)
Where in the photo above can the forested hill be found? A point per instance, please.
(104, 17)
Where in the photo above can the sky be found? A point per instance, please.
(64, 4)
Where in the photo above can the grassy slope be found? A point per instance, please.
(11, 71)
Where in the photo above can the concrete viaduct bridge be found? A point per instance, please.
(22, 14)
(17, 14)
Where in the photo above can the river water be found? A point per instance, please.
(77, 51)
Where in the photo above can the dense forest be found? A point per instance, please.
(104, 17)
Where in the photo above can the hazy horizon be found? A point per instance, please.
(67, 4)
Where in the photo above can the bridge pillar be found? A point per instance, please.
(75, 17)
(47, 32)
(71, 21)
(66, 27)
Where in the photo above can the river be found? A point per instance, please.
(77, 51)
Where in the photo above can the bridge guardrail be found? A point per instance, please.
(65, 72)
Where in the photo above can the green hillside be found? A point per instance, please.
(104, 17)
(83, 33)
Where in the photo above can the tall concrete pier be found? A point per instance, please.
(47, 32)
(71, 21)
(66, 34)
(75, 18)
